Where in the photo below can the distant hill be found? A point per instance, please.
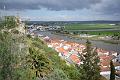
(72, 22)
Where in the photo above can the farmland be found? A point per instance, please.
(93, 29)
(90, 26)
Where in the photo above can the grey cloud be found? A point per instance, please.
(109, 7)
(18, 5)
(113, 7)
(49, 4)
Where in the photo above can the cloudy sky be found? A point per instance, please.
(62, 10)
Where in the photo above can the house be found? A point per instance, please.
(75, 59)
(70, 51)
(118, 58)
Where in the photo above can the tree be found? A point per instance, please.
(90, 69)
(39, 64)
(10, 22)
(6, 57)
(12, 59)
(57, 74)
(72, 72)
(112, 74)
(75, 33)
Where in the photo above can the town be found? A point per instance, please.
(71, 52)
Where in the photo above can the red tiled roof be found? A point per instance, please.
(105, 62)
(61, 50)
(75, 58)
(106, 57)
(65, 53)
(104, 69)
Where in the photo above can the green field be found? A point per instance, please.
(90, 26)
(93, 29)
(101, 32)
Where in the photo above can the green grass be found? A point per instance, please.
(90, 26)
(75, 27)
(100, 32)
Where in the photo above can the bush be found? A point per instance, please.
(57, 74)
(15, 31)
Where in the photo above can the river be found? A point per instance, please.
(98, 44)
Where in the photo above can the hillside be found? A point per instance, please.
(25, 58)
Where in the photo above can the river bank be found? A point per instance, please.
(99, 44)
(93, 38)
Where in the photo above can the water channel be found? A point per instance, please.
(98, 44)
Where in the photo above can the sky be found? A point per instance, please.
(62, 10)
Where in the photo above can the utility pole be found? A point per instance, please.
(2, 11)
(4, 16)
(4, 7)
(0, 15)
